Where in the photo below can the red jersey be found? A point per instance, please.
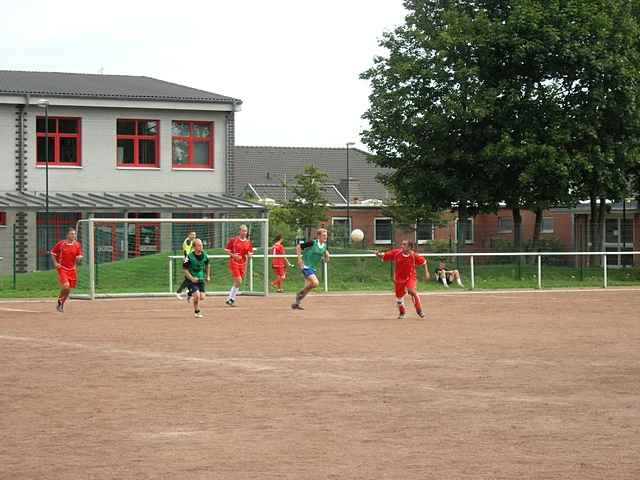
(405, 264)
(278, 249)
(239, 247)
(66, 253)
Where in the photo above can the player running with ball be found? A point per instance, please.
(197, 270)
(309, 255)
(405, 261)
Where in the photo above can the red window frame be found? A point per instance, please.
(136, 139)
(3, 219)
(56, 135)
(191, 139)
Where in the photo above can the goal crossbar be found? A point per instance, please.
(91, 243)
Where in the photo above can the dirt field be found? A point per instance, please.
(528, 385)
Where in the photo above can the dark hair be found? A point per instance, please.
(278, 238)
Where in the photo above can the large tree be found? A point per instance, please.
(428, 114)
(482, 103)
(600, 79)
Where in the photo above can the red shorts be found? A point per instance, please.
(401, 287)
(280, 271)
(67, 276)
(237, 269)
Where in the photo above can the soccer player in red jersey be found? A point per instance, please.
(278, 264)
(405, 261)
(239, 249)
(65, 254)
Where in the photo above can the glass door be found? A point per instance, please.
(619, 238)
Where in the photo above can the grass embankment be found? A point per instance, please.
(151, 274)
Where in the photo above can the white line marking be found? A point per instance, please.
(256, 367)
(18, 310)
(484, 292)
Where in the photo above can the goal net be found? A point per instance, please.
(144, 256)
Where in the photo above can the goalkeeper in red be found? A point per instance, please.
(405, 261)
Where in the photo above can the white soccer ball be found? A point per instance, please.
(357, 235)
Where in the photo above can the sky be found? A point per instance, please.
(295, 64)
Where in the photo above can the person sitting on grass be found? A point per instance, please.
(447, 277)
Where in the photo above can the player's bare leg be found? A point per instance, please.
(197, 298)
(456, 277)
(416, 301)
(277, 283)
(310, 283)
(62, 296)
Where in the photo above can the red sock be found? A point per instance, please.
(417, 303)
(402, 309)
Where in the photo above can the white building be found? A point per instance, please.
(119, 146)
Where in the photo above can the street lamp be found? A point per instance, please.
(44, 103)
(349, 144)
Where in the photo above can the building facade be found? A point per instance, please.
(265, 172)
(111, 146)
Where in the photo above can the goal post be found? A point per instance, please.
(133, 257)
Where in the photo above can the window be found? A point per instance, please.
(3, 219)
(138, 143)
(468, 231)
(340, 230)
(192, 144)
(505, 225)
(49, 230)
(143, 238)
(425, 232)
(383, 230)
(63, 141)
(547, 225)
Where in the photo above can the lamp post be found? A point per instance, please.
(43, 103)
(349, 144)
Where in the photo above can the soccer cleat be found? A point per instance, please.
(60, 307)
(420, 314)
(401, 316)
(230, 302)
(198, 315)
(296, 306)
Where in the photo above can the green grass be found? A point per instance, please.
(150, 274)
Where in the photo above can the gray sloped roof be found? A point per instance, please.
(269, 165)
(124, 201)
(277, 192)
(114, 87)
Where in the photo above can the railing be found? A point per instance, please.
(472, 256)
